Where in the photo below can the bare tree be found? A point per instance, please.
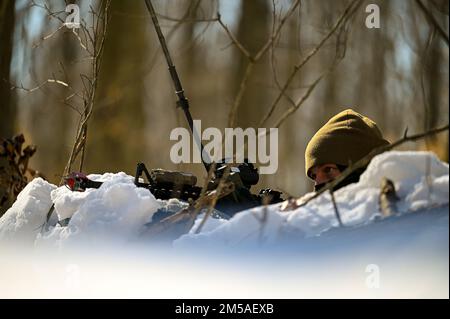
(90, 37)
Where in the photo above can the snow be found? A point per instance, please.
(23, 221)
(357, 204)
(118, 211)
(259, 253)
(114, 213)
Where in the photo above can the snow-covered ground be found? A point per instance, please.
(297, 253)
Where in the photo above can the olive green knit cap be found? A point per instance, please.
(344, 139)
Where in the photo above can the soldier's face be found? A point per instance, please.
(322, 174)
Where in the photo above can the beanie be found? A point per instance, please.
(343, 140)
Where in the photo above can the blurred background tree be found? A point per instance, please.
(397, 75)
(8, 109)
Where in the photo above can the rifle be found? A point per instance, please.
(163, 184)
(244, 175)
(166, 184)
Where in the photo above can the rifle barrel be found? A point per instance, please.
(182, 100)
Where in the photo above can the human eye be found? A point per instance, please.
(328, 169)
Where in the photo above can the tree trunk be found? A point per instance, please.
(8, 112)
(117, 126)
(253, 32)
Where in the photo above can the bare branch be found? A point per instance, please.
(253, 59)
(336, 211)
(165, 17)
(220, 187)
(50, 13)
(273, 59)
(432, 20)
(235, 41)
(345, 15)
(96, 41)
(84, 46)
(297, 105)
(238, 99)
(48, 36)
(275, 34)
(29, 90)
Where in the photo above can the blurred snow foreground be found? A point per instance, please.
(118, 211)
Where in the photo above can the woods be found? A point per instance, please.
(99, 98)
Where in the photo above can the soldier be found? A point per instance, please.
(344, 139)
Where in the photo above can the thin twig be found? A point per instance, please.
(233, 38)
(275, 34)
(313, 52)
(30, 90)
(252, 59)
(336, 211)
(220, 187)
(240, 95)
(165, 17)
(431, 19)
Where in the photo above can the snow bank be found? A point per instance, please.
(118, 211)
(357, 204)
(113, 214)
(24, 220)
